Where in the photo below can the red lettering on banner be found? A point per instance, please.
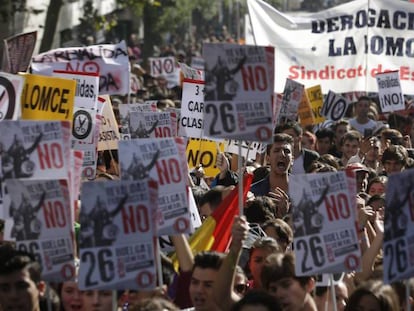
(168, 172)
(54, 213)
(50, 156)
(90, 66)
(135, 218)
(254, 78)
(337, 207)
(162, 132)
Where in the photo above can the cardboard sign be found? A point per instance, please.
(325, 237)
(46, 98)
(109, 130)
(116, 235)
(389, 91)
(18, 51)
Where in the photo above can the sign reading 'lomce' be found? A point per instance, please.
(46, 98)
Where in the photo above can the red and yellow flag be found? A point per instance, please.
(215, 232)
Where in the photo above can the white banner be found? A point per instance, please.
(110, 61)
(341, 48)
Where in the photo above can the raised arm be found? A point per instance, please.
(223, 293)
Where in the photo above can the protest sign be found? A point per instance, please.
(341, 48)
(249, 150)
(389, 91)
(305, 111)
(198, 63)
(192, 73)
(238, 90)
(152, 124)
(87, 87)
(192, 107)
(315, 97)
(110, 61)
(204, 152)
(292, 96)
(75, 174)
(109, 130)
(125, 109)
(35, 149)
(116, 235)
(42, 224)
(325, 237)
(47, 98)
(398, 245)
(163, 160)
(334, 107)
(18, 52)
(167, 68)
(11, 87)
(86, 97)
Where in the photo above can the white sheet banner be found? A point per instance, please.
(109, 60)
(342, 48)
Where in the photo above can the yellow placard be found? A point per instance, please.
(305, 111)
(315, 97)
(204, 152)
(48, 98)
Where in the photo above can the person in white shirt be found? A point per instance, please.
(361, 122)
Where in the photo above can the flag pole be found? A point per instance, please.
(241, 179)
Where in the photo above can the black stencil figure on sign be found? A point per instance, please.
(142, 132)
(306, 216)
(137, 170)
(21, 165)
(220, 83)
(396, 221)
(97, 227)
(26, 225)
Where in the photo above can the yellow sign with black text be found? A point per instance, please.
(204, 152)
(48, 98)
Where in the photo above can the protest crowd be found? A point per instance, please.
(116, 204)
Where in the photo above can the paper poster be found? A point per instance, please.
(163, 160)
(116, 235)
(398, 246)
(42, 216)
(238, 91)
(324, 221)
